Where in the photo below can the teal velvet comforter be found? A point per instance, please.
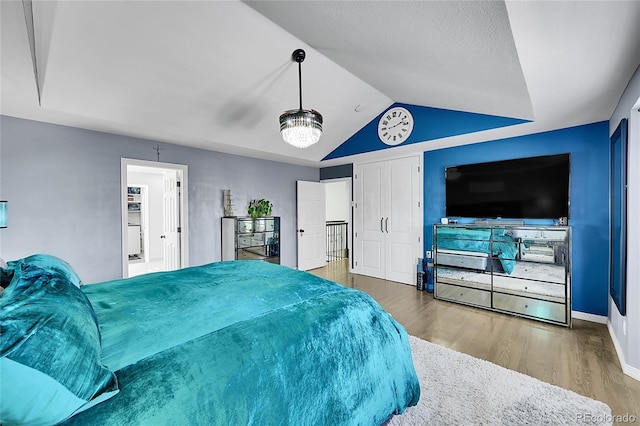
(481, 240)
(248, 342)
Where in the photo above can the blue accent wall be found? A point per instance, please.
(429, 124)
(588, 146)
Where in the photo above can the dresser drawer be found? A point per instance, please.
(463, 277)
(530, 288)
(469, 260)
(250, 255)
(467, 295)
(539, 234)
(244, 241)
(531, 307)
(539, 271)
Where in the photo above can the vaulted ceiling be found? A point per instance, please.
(217, 74)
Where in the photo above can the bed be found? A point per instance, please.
(228, 343)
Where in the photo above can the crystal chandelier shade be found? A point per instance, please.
(300, 127)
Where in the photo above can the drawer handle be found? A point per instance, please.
(526, 306)
(461, 294)
(526, 288)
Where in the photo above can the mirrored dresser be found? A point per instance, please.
(518, 270)
(247, 238)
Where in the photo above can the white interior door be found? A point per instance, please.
(369, 220)
(311, 224)
(171, 220)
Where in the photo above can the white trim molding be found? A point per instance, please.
(626, 368)
(600, 319)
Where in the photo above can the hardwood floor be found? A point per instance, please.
(581, 359)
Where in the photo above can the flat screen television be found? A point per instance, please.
(524, 188)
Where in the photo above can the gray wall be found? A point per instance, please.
(63, 187)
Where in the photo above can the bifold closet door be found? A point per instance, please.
(402, 231)
(388, 219)
(370, 238)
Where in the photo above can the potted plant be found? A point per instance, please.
(260, 208)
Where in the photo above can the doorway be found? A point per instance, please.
(339, 220)
(154, 217)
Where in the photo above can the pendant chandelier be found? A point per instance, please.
(299, 127)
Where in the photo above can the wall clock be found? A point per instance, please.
(395, 126)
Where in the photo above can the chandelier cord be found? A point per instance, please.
(300, 82)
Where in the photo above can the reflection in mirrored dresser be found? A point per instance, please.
(519, 270)
(247, 238)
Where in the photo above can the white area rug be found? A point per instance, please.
(458, 389)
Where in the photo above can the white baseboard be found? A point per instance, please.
(626, 368)
(600, 319)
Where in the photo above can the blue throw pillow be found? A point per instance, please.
(48, 263)
(50, 351)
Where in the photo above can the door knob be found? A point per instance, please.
(162, 236)
(301, 231)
